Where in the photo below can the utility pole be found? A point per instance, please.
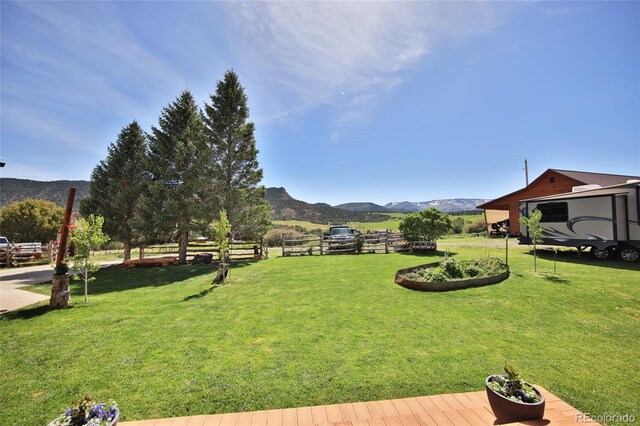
(526, 172)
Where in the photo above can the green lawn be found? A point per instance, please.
(301, 331)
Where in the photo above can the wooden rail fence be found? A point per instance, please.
(22, 253)
(372, 242)
(239, 250)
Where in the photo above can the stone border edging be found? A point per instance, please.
(446, 285)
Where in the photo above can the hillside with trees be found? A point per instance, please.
(12, 190)
(285, 207)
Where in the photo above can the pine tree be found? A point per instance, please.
(116, 185)
(236, 172)
(179, 183)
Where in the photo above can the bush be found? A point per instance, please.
(457, 225)
(476, 227)
(452, 268)
(112, 245)
(425, 225)
(473, 271)
(274, 236)
(31, 220)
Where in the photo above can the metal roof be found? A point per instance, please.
(585, 178)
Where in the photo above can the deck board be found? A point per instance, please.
(461, 409)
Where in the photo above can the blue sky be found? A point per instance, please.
(352, 101)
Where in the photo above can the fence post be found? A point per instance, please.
(265, 248)
(386, 242)
(141, 254)
(321, 245)
(50, 251)
(283, 243)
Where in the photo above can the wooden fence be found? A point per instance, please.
(372, 242)
(239, 250)
(23, 253)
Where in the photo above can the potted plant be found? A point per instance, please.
(86, 412)
(512, 399)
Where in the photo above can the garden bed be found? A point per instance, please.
(419, 277)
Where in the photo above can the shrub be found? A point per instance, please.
(31, 220)
(436, 276)
(477, 226)
(425, 225)
(452, 268)
(274, 236)
(473, 271)
(457, 225)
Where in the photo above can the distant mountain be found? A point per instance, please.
(448, 205)
(363, 207)
(403, 206)
(453, 204)
(19, 189)
(285, 207)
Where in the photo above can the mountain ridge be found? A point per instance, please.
(283, 205)
(448, 205)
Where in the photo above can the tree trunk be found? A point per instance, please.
(127, 250)
(60, 295)
(182, 249)
(534, 258)
(86, 285)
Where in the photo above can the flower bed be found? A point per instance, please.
(452, 274)
(86, 412)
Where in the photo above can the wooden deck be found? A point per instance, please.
(471, 408)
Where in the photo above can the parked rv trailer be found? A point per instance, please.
(604, 219)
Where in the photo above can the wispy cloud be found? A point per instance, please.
(344, 54)
(68, 68)
(88, 53)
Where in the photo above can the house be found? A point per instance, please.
(551, 182)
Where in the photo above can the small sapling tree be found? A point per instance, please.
(534, 230)
(222, 229)
(87, 236)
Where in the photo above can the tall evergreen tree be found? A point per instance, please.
(116, 185)
(179, 182)
(236, 172)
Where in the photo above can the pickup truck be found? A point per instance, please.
(340, 238)
(4, 243)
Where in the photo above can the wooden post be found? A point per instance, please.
(321, 245)
(62, 250)
(50, 251)
(60, 295)
(283, 243)
(386, 242)
(141, 253)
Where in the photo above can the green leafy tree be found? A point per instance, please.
(178, 190)
(534, 229)
(236, 172)
(87, 236)
(425, 225)
(31, 220)
(116, 185)
(222, 229)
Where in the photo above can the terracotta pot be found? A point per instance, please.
(508, 411)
